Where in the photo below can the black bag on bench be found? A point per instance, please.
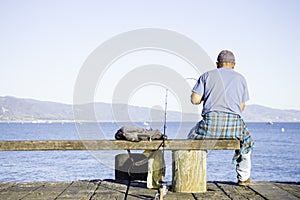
(135, 134)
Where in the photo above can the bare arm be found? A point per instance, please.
(196, 98)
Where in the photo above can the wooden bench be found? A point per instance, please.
(188, 156)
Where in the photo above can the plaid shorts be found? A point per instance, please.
(219, 125)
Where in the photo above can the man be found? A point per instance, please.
(224, 93)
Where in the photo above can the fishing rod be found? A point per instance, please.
(162, 191)
(165, 120)
(162, 184)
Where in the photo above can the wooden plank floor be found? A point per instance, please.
(110, 189)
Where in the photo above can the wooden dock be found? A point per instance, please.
(111, 189)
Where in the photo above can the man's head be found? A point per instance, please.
(226, 59)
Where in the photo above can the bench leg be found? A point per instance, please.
(189, 171)
(155, 165)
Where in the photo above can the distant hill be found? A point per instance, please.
(258, 113)
(17, 109)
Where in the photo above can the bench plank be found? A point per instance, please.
(184, 144)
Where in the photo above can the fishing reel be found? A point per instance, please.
(164, 137)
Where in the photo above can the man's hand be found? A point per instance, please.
(243, 106)
(196, 98)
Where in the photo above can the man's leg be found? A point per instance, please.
(243, 168)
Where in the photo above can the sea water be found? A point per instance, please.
(275, 157)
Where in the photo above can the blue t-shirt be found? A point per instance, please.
(222, 90)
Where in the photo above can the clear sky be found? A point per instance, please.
(43, 44)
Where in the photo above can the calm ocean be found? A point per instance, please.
(276, 155)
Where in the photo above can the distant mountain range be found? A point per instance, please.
(14, 109)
